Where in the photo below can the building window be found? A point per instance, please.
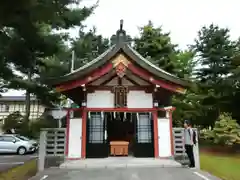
(96, 128)
(144, 133)
(16, 107)
(2, 121)
(7, 108)
(34, 106)
(23, 107)
(4, 108)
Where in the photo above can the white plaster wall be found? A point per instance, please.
(164, 138)
(75, 138)
(100, 99)
(139, 99)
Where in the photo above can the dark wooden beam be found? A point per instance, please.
(147, 89)
(108, 80)
(119, 81)
(132, 81)
(139, 77)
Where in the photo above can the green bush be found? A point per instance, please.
(226, 131)
(27, 128)
(13, 121)
(37, 125)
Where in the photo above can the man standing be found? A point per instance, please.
(189, 142)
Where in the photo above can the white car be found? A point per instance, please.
(14, 143)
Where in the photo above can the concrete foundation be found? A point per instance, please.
(119, 162)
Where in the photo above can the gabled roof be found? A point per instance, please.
(109, 54)
(123, 47)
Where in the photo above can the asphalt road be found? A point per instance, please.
(125, 174)
(10, 161)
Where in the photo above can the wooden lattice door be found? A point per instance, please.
(120, 96)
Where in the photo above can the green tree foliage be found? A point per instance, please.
(43, 122)
(87, 46)
(185, 64)
(188, 107)
(188, 103)
(214, 51)
(13, 121)
(28, 41)
(18, 123)
(214, 72)
(234, 92)
(156, 45)
(226, 131)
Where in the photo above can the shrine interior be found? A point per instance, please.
(110, 133)
(121, 127)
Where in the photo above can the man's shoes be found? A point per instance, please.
(192, 167)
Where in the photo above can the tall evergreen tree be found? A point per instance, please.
(28, 38)
(156, 45)
(214, 51)
(87, 46)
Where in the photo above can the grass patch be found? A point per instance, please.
(225, 167)
(21, 172)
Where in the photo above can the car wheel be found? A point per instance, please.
(21, 150)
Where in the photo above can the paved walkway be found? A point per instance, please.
(146, 173)
(119, 162)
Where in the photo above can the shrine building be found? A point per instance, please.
(124, 105)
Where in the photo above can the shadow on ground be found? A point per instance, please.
(53, 161)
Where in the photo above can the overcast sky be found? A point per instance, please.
(183, 18)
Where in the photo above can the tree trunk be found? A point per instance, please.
(28, 99)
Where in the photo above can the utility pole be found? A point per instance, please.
(69, 101)
(72, 61)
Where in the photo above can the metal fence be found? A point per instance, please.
(52, 147)
(179, 150)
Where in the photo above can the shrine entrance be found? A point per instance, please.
(130, 129)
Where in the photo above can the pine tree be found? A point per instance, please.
(214, 51)
(28, 38)
(156, 45)
(87, 46)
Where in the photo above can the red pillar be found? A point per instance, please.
(171, 132)
(67, 133)
(84, 126)
(155, 129)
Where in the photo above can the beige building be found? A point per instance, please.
(10, 104)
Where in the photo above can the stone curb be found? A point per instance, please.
(118, 166)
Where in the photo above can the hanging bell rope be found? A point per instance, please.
(89, 115)
(102, 115)
(125, 116)
(118, 116)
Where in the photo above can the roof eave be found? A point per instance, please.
(155, 70)
(103, 58)
(84, 69)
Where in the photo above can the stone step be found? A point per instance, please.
(119, 163)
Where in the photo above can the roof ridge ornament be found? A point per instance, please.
(121, 25)
(121, 33)
(120, 36)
